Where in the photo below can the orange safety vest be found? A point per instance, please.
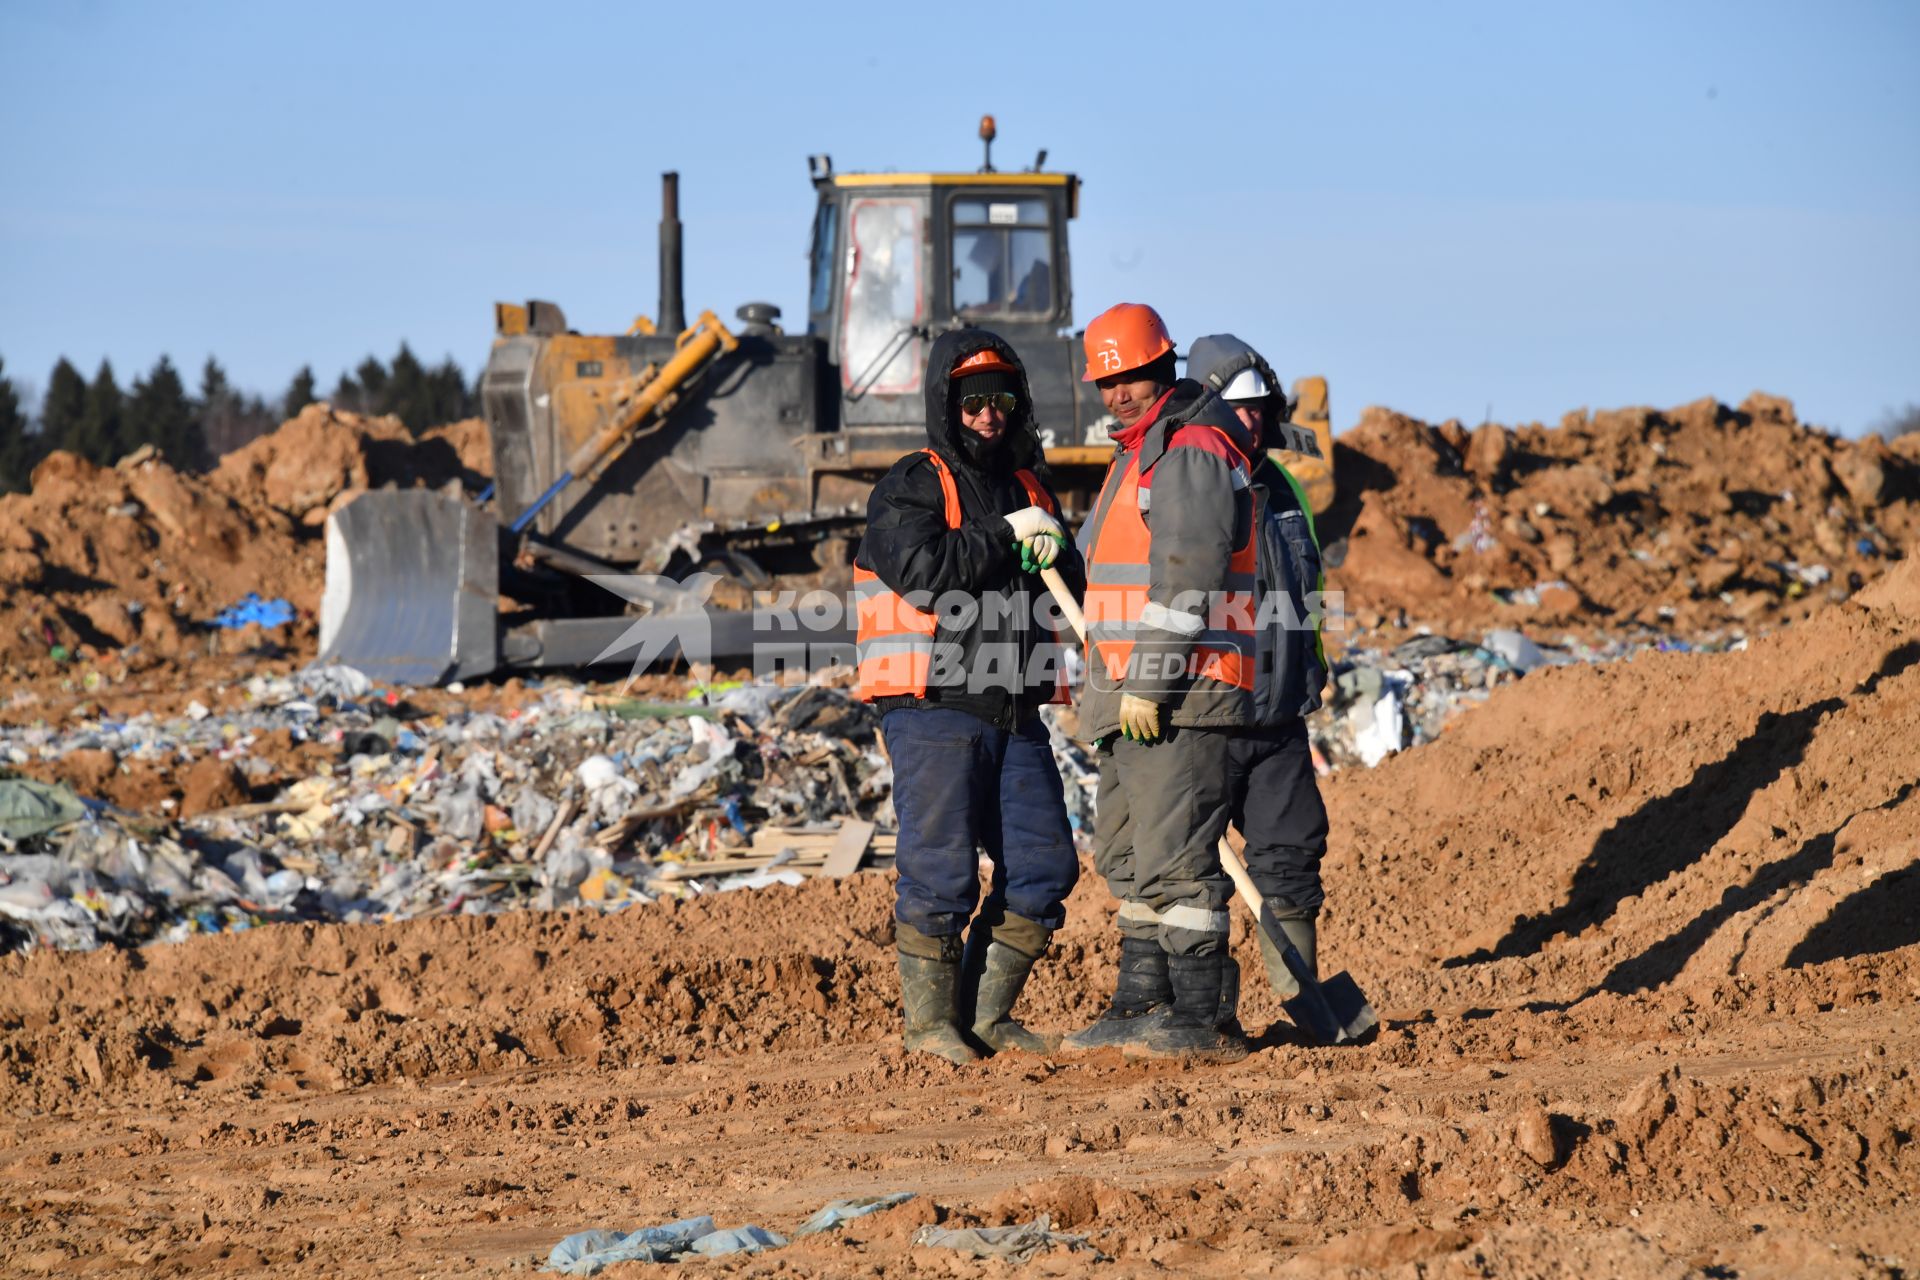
(895, 640)
(1119, 572)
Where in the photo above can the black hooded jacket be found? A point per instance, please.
(992, 658)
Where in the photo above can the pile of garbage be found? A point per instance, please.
(573, 798)
(137, 560)
(1383, 700)
(321, 796)
(1691, 519)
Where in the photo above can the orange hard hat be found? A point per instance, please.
(1128, 336)
(985, 360)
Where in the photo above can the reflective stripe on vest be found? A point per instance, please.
(1119, 570)
(895, 640)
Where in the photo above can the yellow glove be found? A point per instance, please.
(1139, 719)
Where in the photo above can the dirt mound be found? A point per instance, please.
(1676, 818)
(1694, 518)
(472, 448)
(324, 456)
(137, 558)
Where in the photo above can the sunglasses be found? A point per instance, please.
(1001, 400)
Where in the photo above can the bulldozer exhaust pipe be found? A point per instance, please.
(673, 303)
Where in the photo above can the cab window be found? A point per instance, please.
(1002, 255)
(882, 343)
(824, 225)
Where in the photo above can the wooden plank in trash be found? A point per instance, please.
(849, 848)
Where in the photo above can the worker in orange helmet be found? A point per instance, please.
(959, 648)
(1170, 560)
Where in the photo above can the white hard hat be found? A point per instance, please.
(1246, 385)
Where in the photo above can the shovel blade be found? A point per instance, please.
(1332, 1012)
(1313, 1017)
(1350, 1009)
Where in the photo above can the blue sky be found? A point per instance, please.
(1526, 207)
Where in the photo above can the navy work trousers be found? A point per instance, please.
(1275, 801)
(960, 785)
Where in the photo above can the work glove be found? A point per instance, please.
(1139, 718)
(1040, 551)
(1029, 522)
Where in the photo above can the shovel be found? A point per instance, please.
(1332, 1012)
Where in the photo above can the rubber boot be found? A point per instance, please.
(1303, 934)
(1142, 997)
(1229, 1018)
(1001, 981)
(1192, 1031)
(930, 995)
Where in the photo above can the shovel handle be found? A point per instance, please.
(1249, 896)
(1057, 587)
(1236, 870)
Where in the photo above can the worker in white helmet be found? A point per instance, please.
(1274, 795)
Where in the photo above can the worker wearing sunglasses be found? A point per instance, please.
(976, 405)
(959, 650)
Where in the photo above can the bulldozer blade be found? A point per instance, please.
(1333, 1011)
(413, 580)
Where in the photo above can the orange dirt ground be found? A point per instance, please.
(1644, 938)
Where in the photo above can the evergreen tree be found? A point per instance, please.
(409, 396)
(452, 400)
(160, 414)
(228, 419)
(299, 394)
(372, 377)
(346, 394)
(100, 437)
(214, 387)
(65, 404)
(16, 446)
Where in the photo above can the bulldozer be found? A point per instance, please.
(744, 452)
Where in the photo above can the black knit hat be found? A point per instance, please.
(985, 384)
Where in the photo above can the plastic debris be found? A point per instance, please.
(30, 808)
(252, 609)
(587, 1253)
(737, 1240)
(846, 1210)
(1017, 1243)
(1377, 732)
(1522, 654)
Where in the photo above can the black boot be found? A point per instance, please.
(930, 995)
(1229, 1018)
(1192, 1029)
(1142, 996)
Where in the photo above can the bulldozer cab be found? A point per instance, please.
(900, 257)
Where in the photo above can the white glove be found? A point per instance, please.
(1139, 718)
(1042, 549)
(1029, 522)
